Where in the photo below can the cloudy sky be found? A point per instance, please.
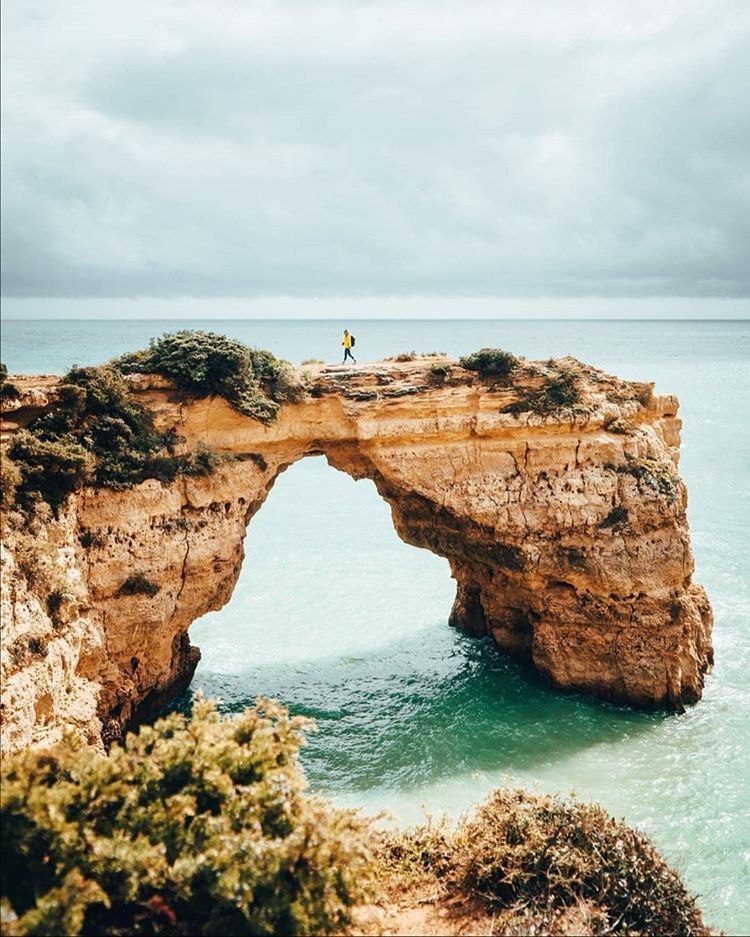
(294, 152)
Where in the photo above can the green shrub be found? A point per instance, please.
(521, 848)
(118, 430)
(50, 468)
(193, 827)
(138, 584)
(559, 392)
(284, 385)
(10, 479)
(439, 373)
(490, 362)
(96, 432)
(204, 461)
(251, 380)
(8, 391)
(528, 858)
(415, 853)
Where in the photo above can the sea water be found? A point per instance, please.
(338, 619)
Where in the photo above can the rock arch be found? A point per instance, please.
(565, 530)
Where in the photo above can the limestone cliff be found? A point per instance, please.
(564, 527)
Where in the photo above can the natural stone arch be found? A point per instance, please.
(565, 531)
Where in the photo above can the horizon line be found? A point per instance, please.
(360, 318)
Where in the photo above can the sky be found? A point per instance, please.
(295, 157)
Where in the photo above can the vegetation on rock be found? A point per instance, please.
(95, 433)
(490, 362)
(8, 391)
(195, 826)
(439, 373)
(202, 826)
(558, 392)
(529, 859)
(33, 540)
(10, 479)
(617, 517)
(251, 380)
(48, 468)
(619, 426)
(659, 476)
(138, 584)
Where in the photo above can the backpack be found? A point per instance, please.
(353, 340)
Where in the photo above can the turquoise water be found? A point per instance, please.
(337, 618)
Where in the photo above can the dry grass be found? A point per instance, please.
(529, 864)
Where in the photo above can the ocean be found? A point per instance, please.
(338, 619)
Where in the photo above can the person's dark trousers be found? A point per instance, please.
(348, 354)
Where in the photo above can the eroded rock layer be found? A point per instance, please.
(565, 530)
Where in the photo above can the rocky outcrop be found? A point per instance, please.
(565, 530)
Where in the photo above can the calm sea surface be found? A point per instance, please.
(338, 619)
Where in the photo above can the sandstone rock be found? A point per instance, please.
(568, 542)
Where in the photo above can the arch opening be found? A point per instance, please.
(324, 574)
(342, 621)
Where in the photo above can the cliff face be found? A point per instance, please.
(565, 532)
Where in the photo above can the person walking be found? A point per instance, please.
(348, 344)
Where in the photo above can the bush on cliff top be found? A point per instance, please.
(48, 469)
(558, 392)
(251, 380)
(8, 391)
(490, 362)
(193, 827)
(96, 433)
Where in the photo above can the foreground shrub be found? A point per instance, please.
(523, 848)
(530, 858)
(193, 827)
(490, 362)
(251, 380)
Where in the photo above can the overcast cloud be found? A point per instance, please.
(298, 147)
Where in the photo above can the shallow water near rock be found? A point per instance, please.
(338, 619)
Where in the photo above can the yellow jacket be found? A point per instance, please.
(347, 342)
